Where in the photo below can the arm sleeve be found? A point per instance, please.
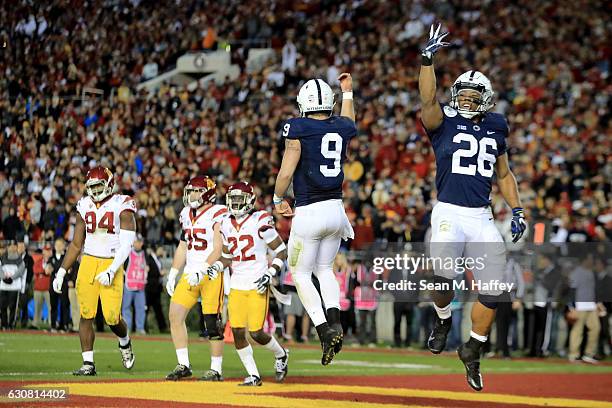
(126, 240)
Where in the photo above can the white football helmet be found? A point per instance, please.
(315, 96)
(477, 81)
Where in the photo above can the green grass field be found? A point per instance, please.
(42, 357)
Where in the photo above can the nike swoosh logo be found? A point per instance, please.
(489, 132)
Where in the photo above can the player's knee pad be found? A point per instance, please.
(444, 286)
(491, 301)
(214, 326)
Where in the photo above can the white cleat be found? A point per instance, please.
(127, 355)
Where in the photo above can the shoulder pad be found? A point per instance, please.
(449, 112)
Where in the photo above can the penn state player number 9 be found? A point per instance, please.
(485, 160)
(331, 148)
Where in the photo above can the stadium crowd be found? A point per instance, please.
(554, 89)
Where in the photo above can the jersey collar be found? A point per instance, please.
(237, 224)
(194, 219)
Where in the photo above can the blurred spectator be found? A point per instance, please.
(506, 315)
(135, 283)
(154, 288)
(366, 303)
(42, 281)
(604, 296)
(27, 293)
(75, 312)
(404, 302)
(60, 303)
(13, 276)
(294, 311)
(584, 310)
(346, 282)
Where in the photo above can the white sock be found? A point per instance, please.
(246, 356)
(310, 298)
(443, 312)
(88, 356)
(124, 341)
(274, 346)
(478, 337)
(216, 363)
(182, 355)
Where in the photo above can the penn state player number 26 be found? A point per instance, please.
(476, 148)
(331, 148)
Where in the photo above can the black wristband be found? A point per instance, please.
(426, 61)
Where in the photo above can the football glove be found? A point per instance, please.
(195, 277)
(518, 224)
(171, 281)
(264, 282)
(435, 42)
(213, 270)
(106, 278)
(59, 280)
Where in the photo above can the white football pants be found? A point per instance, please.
(316, 231)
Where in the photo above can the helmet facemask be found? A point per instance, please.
(483, 102)
(192, 197)
(239, 203)
(98, 189)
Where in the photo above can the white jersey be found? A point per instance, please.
(247, 246)
(102, 223)
(198, 233)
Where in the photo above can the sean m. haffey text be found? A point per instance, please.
(412, 264)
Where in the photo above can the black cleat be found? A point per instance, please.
(437, 339)
(251, 381)
(87, 369)
(127, 355)
(471, 361)
(338, 346)
(211, 375)
(281, 365)
(330, 340)
(180, 371)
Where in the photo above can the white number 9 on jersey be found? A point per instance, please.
(331, 148)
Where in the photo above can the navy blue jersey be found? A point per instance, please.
(319, 174)
(466, 153)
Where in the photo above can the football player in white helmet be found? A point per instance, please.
(469, 143)
(315, 151)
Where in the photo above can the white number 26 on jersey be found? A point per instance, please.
(331, 148)
(475, 148)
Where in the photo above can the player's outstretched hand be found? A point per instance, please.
(106, 278)
(284, 209)
(346, 82)
(518, 225)
(435, 42)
